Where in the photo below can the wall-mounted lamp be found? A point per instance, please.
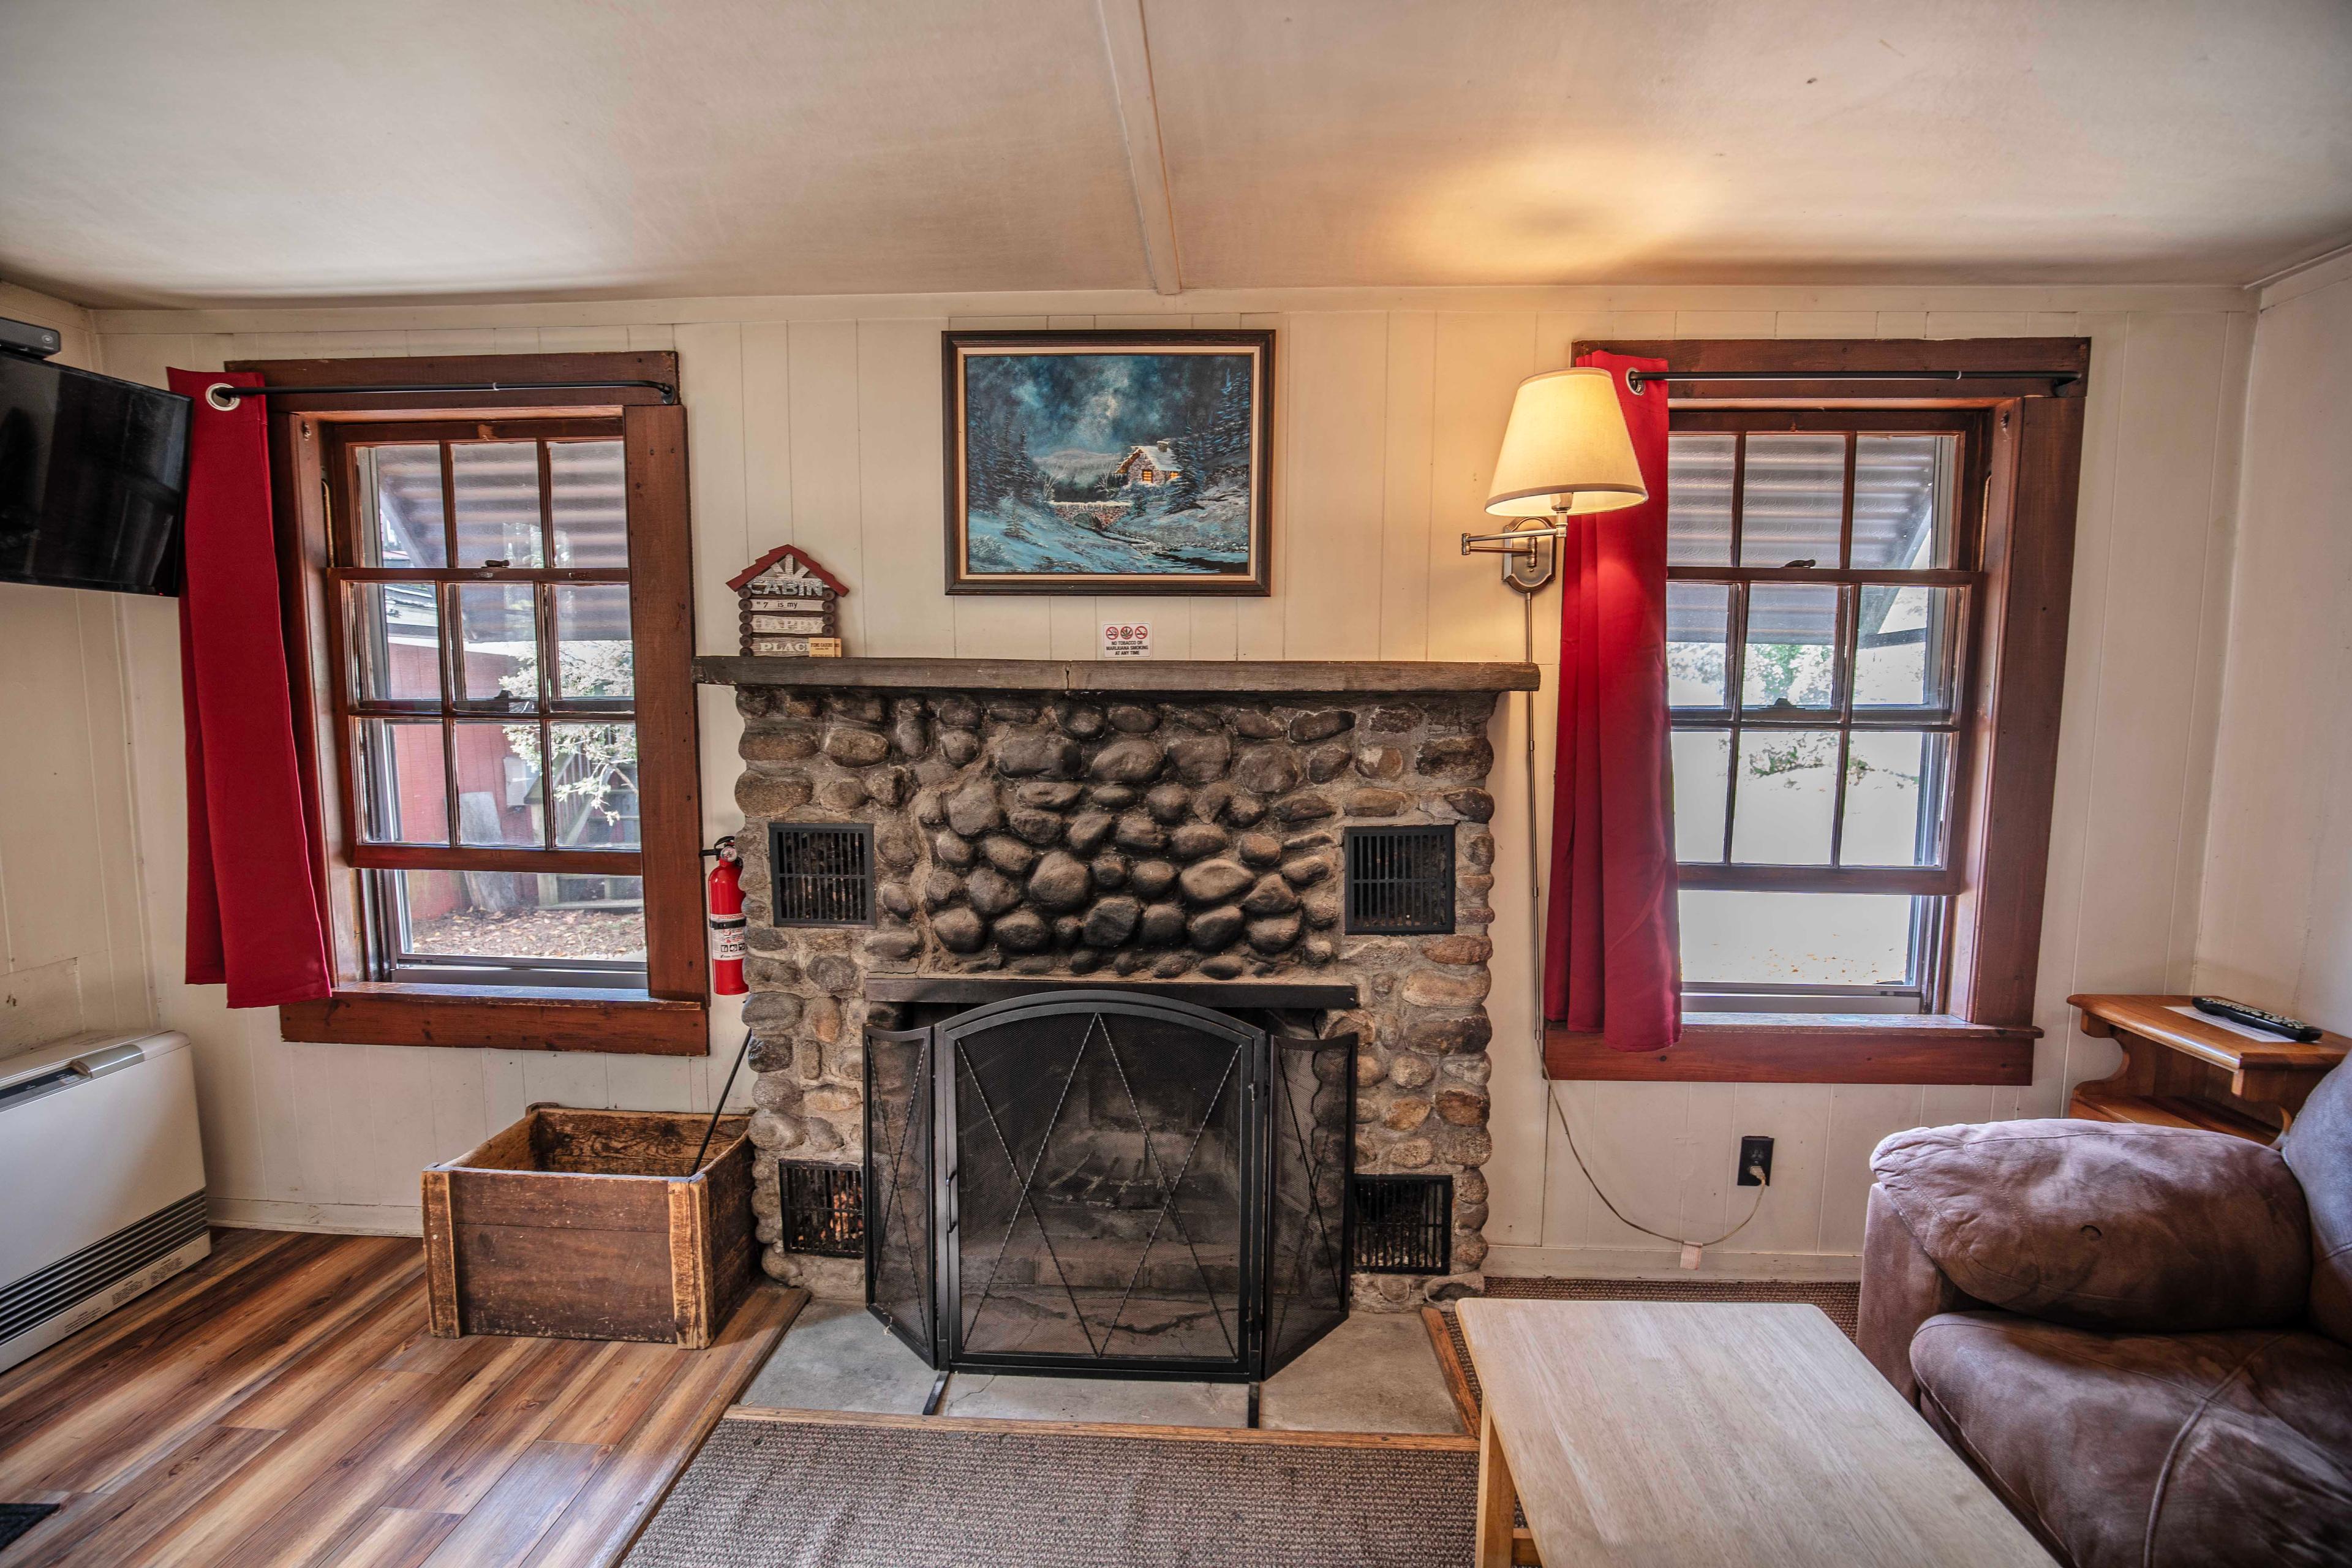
(1566, 452)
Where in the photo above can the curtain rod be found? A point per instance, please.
(1637, 379)
(224, 397)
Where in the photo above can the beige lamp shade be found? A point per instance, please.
(1566, 448)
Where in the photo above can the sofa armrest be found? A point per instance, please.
(2106, 1226)
(1901, 1288)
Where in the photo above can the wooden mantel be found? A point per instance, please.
(1255, 678)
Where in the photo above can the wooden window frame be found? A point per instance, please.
(670, 1015)
(1962, 576)
(2006, 772)
(340, 441)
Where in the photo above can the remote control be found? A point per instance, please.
(2222, 1008)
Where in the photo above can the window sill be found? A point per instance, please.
(501, 1019)
(1808, 1048)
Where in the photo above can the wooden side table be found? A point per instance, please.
(2187, 1070)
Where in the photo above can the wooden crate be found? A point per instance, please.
(587, 1224)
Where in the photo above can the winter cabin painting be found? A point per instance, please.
(1109, 462)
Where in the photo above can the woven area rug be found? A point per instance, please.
(1841, 1300)
(833, 1493)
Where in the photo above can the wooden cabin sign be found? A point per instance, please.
(791, 606)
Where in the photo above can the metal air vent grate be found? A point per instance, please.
(825, 1208)
(1400, 880)
(1404, 1225)
(822, 872)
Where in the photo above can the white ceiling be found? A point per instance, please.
(183, 151)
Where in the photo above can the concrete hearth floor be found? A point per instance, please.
(1375, 1373)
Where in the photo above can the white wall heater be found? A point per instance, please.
(101, 1181)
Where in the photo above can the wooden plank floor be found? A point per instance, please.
(281, 1403)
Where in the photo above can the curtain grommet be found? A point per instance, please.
(225, 404)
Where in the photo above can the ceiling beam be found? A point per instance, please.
(1139, 112)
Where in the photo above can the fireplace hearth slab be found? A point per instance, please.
(836, 1357)
(1254, 677)
(1111, 1401)
(1375, 1373)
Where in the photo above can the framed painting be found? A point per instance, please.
(1109, 462)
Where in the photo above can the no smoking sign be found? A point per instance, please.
(1127, 639)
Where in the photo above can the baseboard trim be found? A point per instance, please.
(1664, 1263)
(335, 1219)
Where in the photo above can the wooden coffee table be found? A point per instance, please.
(1713, 1433)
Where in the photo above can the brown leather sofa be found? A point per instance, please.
(2136, 1335)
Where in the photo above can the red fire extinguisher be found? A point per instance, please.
(727, 922)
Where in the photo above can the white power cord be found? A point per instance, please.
(1535, 943)
(1757, 1171)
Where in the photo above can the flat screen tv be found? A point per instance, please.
(93, 479)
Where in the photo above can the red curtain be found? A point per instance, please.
(255, 921)
(1612, 956)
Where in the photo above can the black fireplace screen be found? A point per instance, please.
(1108, 1182)
(900, 1206)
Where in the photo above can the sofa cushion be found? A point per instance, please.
(2318, 1149)
(2106, 1226)
(2151, 1451)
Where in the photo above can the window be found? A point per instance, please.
(488, 599)
(1866, 623)
(486, 704)
(1821, 573)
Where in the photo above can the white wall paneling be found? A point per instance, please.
(2277, 915)
(73, 945)
(817, 422)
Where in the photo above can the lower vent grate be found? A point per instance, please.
(825, 1208)
(1404, 1225)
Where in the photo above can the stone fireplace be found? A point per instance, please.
(1153, 829)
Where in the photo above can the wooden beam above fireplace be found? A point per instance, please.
(1249, 676)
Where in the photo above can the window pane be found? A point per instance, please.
(1702, 772)
(395, 637)
(1698, 499)
(499, 799)
(1796, 939)
(1787, 797)
(1903, 655)
(400, 489)
(518, 916)
(589, 503)
(1792, 500)
(1894, 799)
(592, 652)
(496, 502)
(497, 632)
(1698, 615)
(403, 786)
(1791, 656)
(1903, 487)
(595, 770)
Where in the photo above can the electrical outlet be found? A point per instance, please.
(1755, 1153)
